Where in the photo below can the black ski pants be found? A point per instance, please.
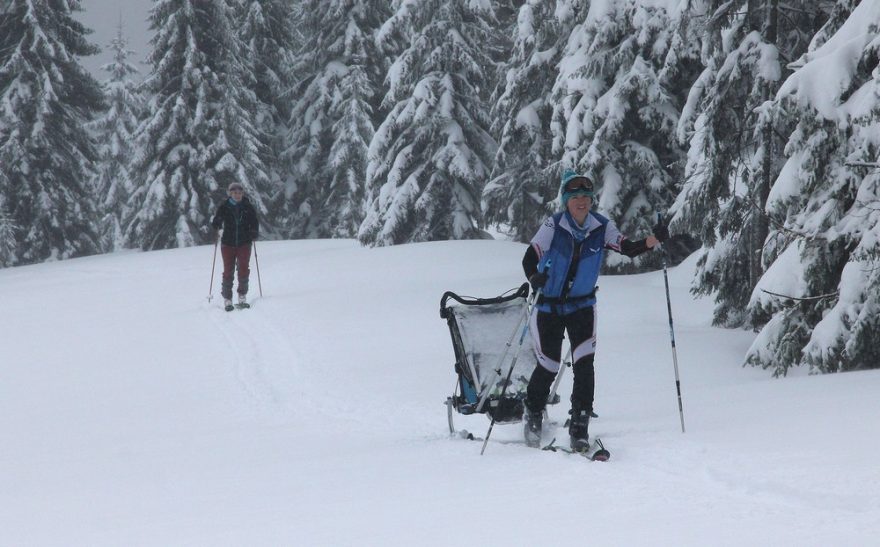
(548, 330)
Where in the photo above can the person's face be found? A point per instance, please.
(580, 203)
(579, 206)
(236, 193)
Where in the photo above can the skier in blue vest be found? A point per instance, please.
(563, 261)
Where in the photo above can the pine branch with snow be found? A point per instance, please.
(199, 134)
(828, 210)
(615, 108)
(332, 119)
(113, 131)
(270, 42)
(522, 188)
(8, 229)
(46, 153)
(734, 154)
(432, 154)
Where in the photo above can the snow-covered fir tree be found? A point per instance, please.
(46, 153)
(8, 229)
(432, 154)
(819, 300)
(199, 134)
(617, 100)
(113, 132)
(523, 187)
(734, 153)
(340, 71)
(268, 33)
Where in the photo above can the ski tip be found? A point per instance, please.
(467, 435)
(601, 455)
(550, 447)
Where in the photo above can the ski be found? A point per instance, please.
(242, 306)
(597, 451)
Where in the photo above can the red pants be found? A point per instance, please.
(231, 255)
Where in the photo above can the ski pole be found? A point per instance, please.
(213, 265)
(257, 262)
(671, 329)
(522, 337)
(497, 370)
(562, 366)
(567, 362)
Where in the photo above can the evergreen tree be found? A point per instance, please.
(616, 105)
(734, 154)
(332, 119)
(114, 130)
(523, 184)
(818, 302)
(8, 229)
(271, 43)
(46, 153)
(199, 133)
(432, 154)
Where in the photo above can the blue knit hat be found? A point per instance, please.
(567, 176)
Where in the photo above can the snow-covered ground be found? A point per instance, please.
(135, 412)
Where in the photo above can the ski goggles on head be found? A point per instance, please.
(580, 186)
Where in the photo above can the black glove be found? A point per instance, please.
(538, 280)
(661, 232)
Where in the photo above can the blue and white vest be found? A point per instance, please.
(555, 244)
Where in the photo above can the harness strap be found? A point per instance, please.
(553, 301)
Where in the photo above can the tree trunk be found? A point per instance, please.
(760, 228)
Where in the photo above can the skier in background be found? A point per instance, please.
(238, 219)
(568, 299)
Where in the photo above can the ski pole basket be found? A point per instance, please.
(487, 337)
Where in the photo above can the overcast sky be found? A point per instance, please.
(103, 16)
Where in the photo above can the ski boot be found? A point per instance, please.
(532, 424)
(227, 304)
(578, 430)
(242, 302)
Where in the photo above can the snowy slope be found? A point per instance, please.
(135, 412)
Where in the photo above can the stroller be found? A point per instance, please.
(479, 328)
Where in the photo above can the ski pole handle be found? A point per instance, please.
(542, 266)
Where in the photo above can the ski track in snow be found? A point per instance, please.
(265, 363)
(316, 417)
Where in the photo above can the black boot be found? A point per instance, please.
(579, 430)
(226, 293)
(532, 424)
(533, 405)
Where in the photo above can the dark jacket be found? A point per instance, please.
(239, 222)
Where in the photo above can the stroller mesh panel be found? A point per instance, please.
(483, 333)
